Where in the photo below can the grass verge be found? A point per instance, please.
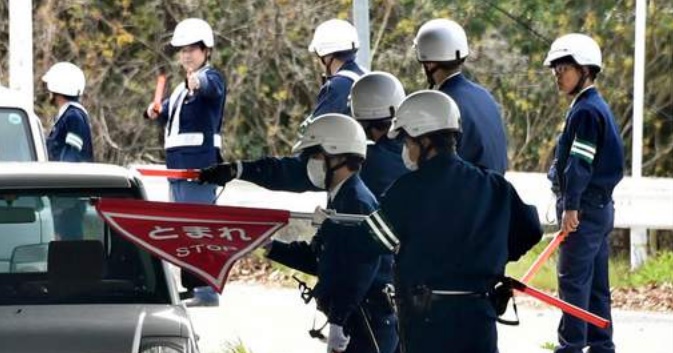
(657, 270)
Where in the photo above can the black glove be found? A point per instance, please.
(219, 174)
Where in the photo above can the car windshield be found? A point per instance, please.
(55, 248)
(16, 142)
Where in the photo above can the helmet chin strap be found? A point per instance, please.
(329, 175)
(429, 73)
(328, 64)
(422, 156)
(580, 83)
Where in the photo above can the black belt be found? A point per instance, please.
(422, 290)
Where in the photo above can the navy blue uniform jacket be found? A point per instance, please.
(346, 273)
(334, 93)
(590, 155)
(458, 225)
(70, 138)
(483, 142)
(383, 165)
(193, 122)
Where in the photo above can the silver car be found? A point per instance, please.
(89, 290)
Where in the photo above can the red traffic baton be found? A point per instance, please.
(170, 173)
(159, 92)
(544, 256)
(564, 306)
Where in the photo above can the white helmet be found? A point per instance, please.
(426, 111)
(335, 133)
(333, 36)
(376, 95)
(441, 40)
(65, 78)
(191, 31)
(584, 50)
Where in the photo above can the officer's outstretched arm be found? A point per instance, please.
(280, 174)
(211, 84)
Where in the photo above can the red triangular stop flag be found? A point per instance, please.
(204, 239)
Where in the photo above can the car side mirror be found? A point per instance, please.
(188, 294)
(29, 258)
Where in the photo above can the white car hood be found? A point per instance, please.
(87, 328)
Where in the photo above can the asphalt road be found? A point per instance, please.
(275, 320)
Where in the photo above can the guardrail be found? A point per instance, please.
(640, 204)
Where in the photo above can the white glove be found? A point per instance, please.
(320, 215)
(151, 113)
(193, 82)
(337, 340)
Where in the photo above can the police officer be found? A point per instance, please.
(70, 137)
(351, 282)
(457, 226)
(69, 141)
(441, 47)
(193, 117)
(374, 99)
(588, 165)
(335, 42)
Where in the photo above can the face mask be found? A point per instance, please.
(316, 172)
(411, 165)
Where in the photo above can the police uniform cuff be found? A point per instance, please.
(203, 81)
(276, 251)
(337, 319)
(571, 203)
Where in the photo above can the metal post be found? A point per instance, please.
(361, 23)
(21, 48)
(638, 238)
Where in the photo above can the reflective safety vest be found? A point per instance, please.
(175, 134)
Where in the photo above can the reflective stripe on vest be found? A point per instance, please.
(190, 139)
(348, 74)
(173, 138)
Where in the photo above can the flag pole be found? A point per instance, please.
(343, 218)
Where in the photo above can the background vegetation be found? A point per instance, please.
(273, 80)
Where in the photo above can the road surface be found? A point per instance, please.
(275, 320)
